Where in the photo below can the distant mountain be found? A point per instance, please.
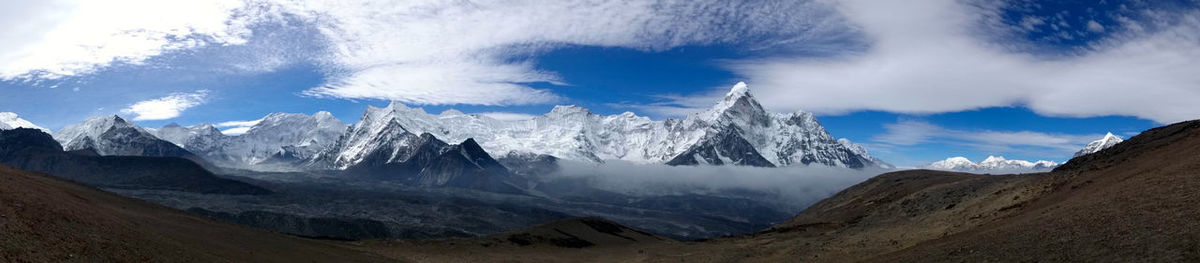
(997, 164)
(277, 142)
(379, 147)
(1103, 143)
(34, 150)
(198, 139)
(993, 164)
(113, 136)
(9, 121)
(735, 131)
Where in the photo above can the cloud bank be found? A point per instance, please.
(237, 127)
(58, 38)
(932, 56)
(793, 187)
(417, 52)
(912, 132)
(166, 107)
(925, 56)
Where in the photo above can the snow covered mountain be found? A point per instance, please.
(9, 120)
(993, 164)
(278, 138)
(735, 131)
(112, 135)
(1103, 143)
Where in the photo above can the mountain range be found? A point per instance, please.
(998, 164)
(992, 164)
(34, 150)
(735, 131)
(1128, 202)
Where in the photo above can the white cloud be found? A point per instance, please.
(1032, 22)
(1094, 26)
(447, 52)
(235, 131)
(791, 187)
(675, 105)
(237, 127)
(912, 132)
(418, 52)
(166, 107)
(924, 56)
(930, 56)
(508, 116)
(52, 39)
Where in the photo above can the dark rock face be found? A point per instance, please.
(529, 164)
(726, 147)
(35, 150)
(133, 142)
(431, 162)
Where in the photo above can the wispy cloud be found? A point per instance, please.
(914, 132)
(417, 52)
(932, 56)
(677, 105)
(52, 39)
(237, 127)
(446, 52)
(166, 107)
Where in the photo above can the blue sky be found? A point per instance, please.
(915, 82)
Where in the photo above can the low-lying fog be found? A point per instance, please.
(796, 186)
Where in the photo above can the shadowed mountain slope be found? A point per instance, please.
(34, 150)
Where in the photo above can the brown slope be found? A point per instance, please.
(44, 219)
(1136, 201)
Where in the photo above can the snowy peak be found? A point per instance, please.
(9, 120)
(739, 90)
(736, 130)
(569, 110)
(1103, 143)
(993, 164)
(181, 136)
(91, 129)
(112, 135)
(738, 107)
